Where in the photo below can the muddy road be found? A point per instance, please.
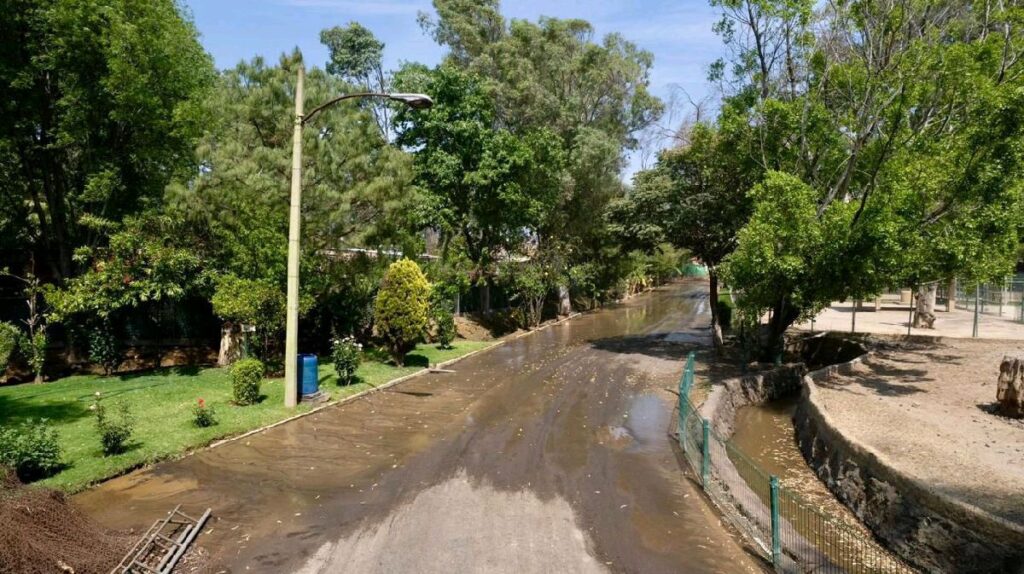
(547, 454)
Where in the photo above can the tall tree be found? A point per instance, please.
(898, 131)
(694, 198)
(356, 56)
(554, 74)
(101, 109)
(488, 186)
(357, 189)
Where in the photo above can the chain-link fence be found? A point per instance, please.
(789, 531)
(1002, 299)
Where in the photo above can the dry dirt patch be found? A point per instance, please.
(927, 408)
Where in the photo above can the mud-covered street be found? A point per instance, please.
(547, 454)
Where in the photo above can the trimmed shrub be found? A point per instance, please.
(103, 347)
(203, 415)
(114, 430)
(9, 336)
(346, 354)
(446, 332)
(246, 376)
(401, 309)
(31, 449)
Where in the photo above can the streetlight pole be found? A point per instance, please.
(291, 343)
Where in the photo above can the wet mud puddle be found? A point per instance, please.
(765, 434)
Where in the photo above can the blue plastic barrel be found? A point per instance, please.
(309, 381)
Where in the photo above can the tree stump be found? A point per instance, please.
(1010, 391)
(230, 344)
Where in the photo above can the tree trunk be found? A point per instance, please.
(784, 314)
(485, 297)
(230, 344)
(564, 304)
(716, 328)
(951, 295)
(924, 317)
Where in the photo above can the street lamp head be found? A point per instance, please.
(414, 101)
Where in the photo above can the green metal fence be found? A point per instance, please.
(791, 532)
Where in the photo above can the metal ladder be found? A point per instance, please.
(160, 548)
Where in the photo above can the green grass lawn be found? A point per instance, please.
(161, 402)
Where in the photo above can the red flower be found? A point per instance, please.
(202, 403)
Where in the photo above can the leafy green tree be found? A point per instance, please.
(9, 336)
(592, 94)
(528, 283)
(896, 123)
(488, 186)
(34, 341)
(356, 56)
(402, 308)
(251, 302)
(147, 258)
(695, 198)
(101, 109)
(357, 189)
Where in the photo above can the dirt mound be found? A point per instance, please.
(471, 329)
(44, 533)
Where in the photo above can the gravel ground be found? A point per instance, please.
(928, 408)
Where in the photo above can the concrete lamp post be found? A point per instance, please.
(291, 345)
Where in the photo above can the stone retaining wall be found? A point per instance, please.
(932, 531)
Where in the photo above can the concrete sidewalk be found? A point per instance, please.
(892, 320)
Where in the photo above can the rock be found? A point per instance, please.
(1010, 390)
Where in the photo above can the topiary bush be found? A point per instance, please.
(246, 376)
(9, 336)
(114, 430)
(31, 449)
(346, 355)
(401, 308)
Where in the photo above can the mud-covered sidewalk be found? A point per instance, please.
(547, 454)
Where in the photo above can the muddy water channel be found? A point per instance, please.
(549, 453)
(765, 434)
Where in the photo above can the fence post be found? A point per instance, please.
(773, 484)
(705, 460)
(977, 294)
(684, 398)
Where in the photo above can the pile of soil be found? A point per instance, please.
(472, 329)
(43, 533)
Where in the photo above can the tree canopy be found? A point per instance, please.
(102, 107)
